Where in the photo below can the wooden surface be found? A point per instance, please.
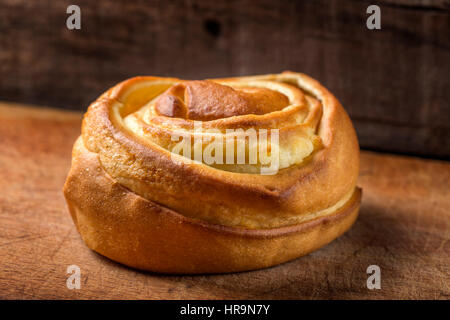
(394, 81)
(403, 227)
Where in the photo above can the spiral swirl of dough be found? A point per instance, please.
(136, 126)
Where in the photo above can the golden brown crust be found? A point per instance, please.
(123, 162)
(127, 228)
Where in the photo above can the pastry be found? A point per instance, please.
(213, 176)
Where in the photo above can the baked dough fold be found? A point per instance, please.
(129, 191)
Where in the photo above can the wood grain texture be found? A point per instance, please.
(403, 227)
(393, 81)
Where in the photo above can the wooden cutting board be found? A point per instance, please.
(403, 228)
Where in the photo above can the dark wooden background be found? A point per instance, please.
(394, 82)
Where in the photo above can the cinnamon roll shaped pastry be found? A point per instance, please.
(213, 176)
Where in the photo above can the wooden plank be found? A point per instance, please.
(403, 228)
(394, 81)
